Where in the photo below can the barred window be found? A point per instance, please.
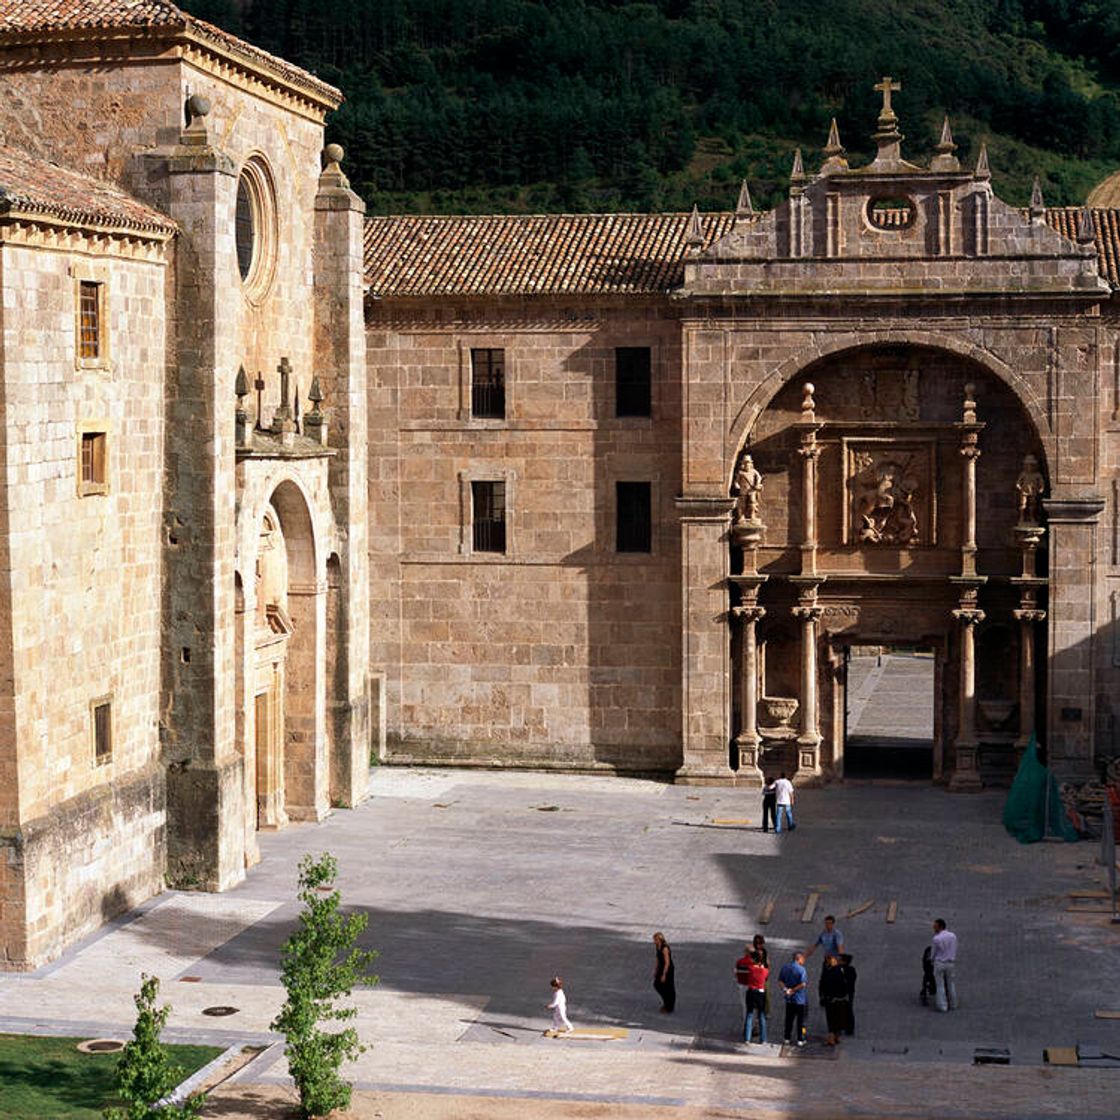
(632, 381)
(93, 475)
(488, 516)
(488, 384)
(102, 731)
(89, 319)
(634, 528)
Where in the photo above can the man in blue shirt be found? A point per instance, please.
(794, 982)
(831, 940)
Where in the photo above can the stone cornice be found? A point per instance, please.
(1073, 511)
(55, 234)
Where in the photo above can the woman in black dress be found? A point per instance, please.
(834, 997)
(664, 981)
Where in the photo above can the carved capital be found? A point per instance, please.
(1029, 614)
(810, 451)
(807, 613)
(969, 616)
(749, 613)
(970, 452)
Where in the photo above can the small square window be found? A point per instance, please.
(488, 516)
(634, 528)
(89, 320)
(488, 384)
(632, 381)
(93, 475)
(102, 731)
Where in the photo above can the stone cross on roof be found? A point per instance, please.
(886, 134)
(886, 87)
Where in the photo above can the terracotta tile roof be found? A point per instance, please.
(34, 186)
(534, 254)
(23, 19)
(1106, 228)
(542, 254)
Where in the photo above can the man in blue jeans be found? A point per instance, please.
(794, 982)
(783, 804)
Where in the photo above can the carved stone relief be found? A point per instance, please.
(891, 493)
(889, 394)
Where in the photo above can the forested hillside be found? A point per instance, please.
(536, 105)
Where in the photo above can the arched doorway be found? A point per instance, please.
(894, 506)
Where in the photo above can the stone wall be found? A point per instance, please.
(86, 838)
(561, 651)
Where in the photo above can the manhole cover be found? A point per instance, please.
(101, 1046)
(220, 1012)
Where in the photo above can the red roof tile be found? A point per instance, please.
(556, 254)
(34, 186)
(23, 19)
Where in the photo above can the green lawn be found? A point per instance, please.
(47, 1077)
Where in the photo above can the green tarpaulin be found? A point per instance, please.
(1034, 796)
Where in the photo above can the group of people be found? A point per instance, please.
(777, 802)
(837, 987)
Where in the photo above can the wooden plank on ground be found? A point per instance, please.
(767, 913)
(861, 908)
(590, 1034)
(1101, 1013)
(810, 906)
(1089, 910)
(731, 820)
(1060, 1055)
(892, 911)
(1089, 894)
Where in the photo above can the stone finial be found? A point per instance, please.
(983, 171)
(195, 109)
(833, 152)
(797, 173)
(332, 174)
(241, 417)
(886, 134)
(808, 405)
(1085, 232)
(315, 423)
(282, 423)
(241, 384)
(968, 413)
(694, 234)
(258, 385)
(744, 208)
(945, 160)
(315, 394)
(1038, 204)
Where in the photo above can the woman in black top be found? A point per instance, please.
(834, 997)
(664, 981)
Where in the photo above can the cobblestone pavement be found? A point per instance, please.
(480, 886)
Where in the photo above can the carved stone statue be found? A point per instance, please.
(1029, 486)
(748, 487)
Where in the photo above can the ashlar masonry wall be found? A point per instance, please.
(85, 840)
(562, 651)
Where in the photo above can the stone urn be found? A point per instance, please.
(996, 713)
(778, 711)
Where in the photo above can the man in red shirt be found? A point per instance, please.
(752, 974)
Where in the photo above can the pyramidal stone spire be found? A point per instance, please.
(694, 235)
(1085, 232)
(1038, 204)
(945, 160)
(983, 171)
(797, 175)
(744, 208)
(833, 152)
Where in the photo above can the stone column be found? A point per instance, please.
(748, 739)
(706, 670)
(966, 768)
(1028, 616)
(1073, 635)
(970, 430)
(809, 740)
(810, 452)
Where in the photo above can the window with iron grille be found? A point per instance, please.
(89, 319)
(488, 384)
(632, 382)
(102, 731)
(93, 478)
(634, 529)
(488, 516)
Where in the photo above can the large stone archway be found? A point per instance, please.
(889, 494)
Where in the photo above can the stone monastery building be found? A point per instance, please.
(283, 486)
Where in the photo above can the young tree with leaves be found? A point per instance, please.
(321, 964)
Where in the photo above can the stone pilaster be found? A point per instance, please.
(340, 348)
(1072, 646)
(706, 661)
(966, 767)
(1028, 617)
(808, 613)
(748, 740)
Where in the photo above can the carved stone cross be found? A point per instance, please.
(886, 87)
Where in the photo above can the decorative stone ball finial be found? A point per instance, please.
(970, 403)
(334, 153)
(197, 107)
(332, 175)
(808, 405)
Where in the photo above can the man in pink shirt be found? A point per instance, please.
(944, 957)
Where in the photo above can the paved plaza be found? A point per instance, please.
(481, 885)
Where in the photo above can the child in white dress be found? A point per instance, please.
(559, 1008)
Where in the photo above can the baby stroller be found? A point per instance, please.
(929, 981)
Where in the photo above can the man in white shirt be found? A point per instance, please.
(944, 957)
(783, 803)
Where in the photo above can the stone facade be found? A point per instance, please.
(285, 485)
